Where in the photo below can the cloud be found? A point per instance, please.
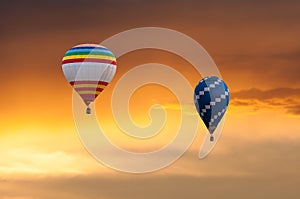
(293, 109)
(135, 187)
(249, 45)
(287, 99)
(255, 93)
(277, 99)
(41, 153)
(23, 161)
(272, 165)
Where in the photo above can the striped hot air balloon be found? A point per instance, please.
(89, 68)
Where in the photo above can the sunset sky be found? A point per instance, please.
(255, 45)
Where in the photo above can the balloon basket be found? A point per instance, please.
(88, 110)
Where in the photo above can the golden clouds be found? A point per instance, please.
(280, 100)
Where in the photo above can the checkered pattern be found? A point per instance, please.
(211, 98)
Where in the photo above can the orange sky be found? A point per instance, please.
(255, 45)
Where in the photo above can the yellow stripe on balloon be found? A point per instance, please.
(89, 92)
(88, 86)
(89, 56)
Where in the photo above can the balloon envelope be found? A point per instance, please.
(211, 97)
(89, 68)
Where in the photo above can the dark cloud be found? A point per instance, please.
(273, 70)
(149, 188)
(293, 109)
(287, 99)
(255, 93)
(38, 17)
(253, 42)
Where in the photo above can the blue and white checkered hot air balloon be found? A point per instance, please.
(211, 99)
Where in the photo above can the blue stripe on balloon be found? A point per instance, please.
(89, 47)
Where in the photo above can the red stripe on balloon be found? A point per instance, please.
(90, 97)
(94, 60)
(89, 82)
(89, 89)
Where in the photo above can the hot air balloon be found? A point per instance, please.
(89, 68)
(211, 97)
